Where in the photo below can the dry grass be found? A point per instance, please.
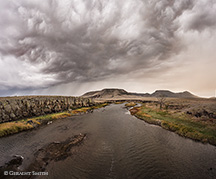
(22, 125)
(130, 104)
(118, 102)
(13, 127)
(81, 110)
(52, 116)
(88, 109)
(9, 128)
(102, 105)
(179, 123)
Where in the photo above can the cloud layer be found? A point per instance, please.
(46, 43)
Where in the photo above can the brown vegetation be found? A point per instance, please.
(182, 117)
(130, 104)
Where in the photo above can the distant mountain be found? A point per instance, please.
(167, 93)
(213, 98)
(115, 92)
(106, 93)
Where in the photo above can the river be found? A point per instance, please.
(117, 145)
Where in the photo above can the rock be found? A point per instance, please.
(49, 122)
(30, 122)
(188, 112)
(15, 108)
(12, 116)
(7, 108)
(15, 160)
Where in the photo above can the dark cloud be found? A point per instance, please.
(95, 40)
(201, 17)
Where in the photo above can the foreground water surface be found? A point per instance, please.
(117, 146)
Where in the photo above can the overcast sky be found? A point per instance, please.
(68, 47)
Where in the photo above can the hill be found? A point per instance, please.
(167, 93)
(115, 92)
(106, 93)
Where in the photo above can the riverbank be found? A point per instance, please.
(180, 123)
(130, 104)
(22, 107)
(117, 145)
(9, 128)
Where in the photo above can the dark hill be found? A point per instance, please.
(167, 93)
(115, 92)
(106, 93)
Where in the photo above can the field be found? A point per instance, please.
(191, 118)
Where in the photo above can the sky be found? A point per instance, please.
(69, 47)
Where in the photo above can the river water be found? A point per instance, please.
(118, 145)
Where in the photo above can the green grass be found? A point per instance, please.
(9, 128)
(179, 123)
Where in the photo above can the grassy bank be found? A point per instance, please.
(119, 102)
(179, 123)
(9, 128)
(130, 104)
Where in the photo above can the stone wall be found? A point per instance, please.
(15, 108)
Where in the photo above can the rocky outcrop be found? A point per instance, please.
(202, 113)
(15, 108)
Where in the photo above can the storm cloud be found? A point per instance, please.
(49, 43)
